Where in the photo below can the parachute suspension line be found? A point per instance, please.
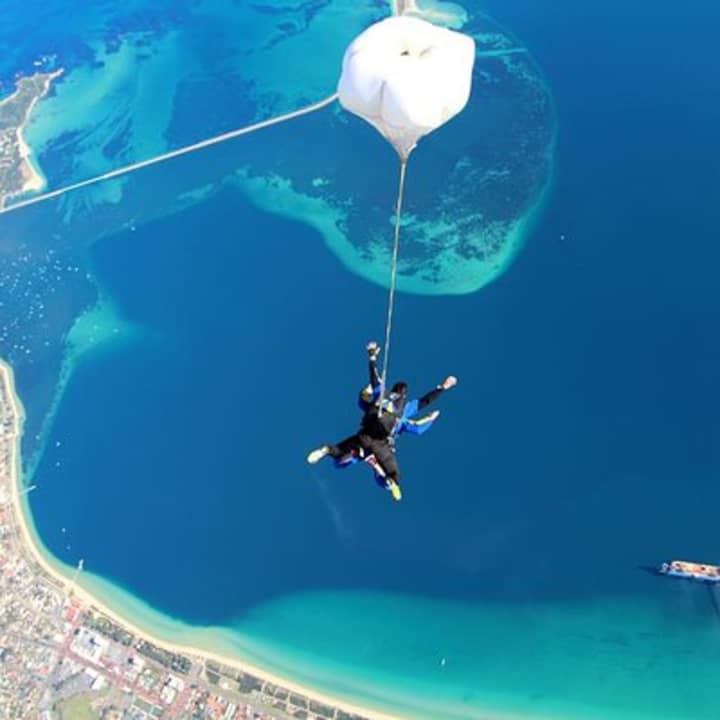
(172, 154)
(393, 281)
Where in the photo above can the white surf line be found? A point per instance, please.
(502, 52)
(172, 154)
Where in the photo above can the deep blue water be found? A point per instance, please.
(582, 442)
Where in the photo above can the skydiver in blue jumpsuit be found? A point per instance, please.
(375, 441)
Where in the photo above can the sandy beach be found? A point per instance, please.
(33, 180)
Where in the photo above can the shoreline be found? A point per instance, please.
(72, 586)
(34, 179)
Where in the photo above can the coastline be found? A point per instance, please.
(33, 177)
(72, 586)
(34, 180)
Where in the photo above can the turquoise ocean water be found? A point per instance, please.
(224, 302)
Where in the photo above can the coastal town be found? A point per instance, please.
(65, 657)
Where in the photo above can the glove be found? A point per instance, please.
(450, 381)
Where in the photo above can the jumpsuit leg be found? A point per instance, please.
(385, 456)
(344, 447)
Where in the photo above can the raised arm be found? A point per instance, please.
(373, 350)
(430, 397)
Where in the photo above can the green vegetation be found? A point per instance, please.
(77, 708)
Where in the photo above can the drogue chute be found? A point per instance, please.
(407, 77)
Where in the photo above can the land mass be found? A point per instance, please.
(65, 655)
(17, 174)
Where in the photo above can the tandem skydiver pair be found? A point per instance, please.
(385, 417)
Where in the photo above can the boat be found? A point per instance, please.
(691, 571)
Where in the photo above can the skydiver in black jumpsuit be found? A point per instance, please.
(377, 429)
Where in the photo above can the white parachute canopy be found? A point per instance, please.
(407, 77)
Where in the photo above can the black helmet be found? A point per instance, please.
(400, 388)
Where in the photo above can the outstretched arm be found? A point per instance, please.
(435, 393)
